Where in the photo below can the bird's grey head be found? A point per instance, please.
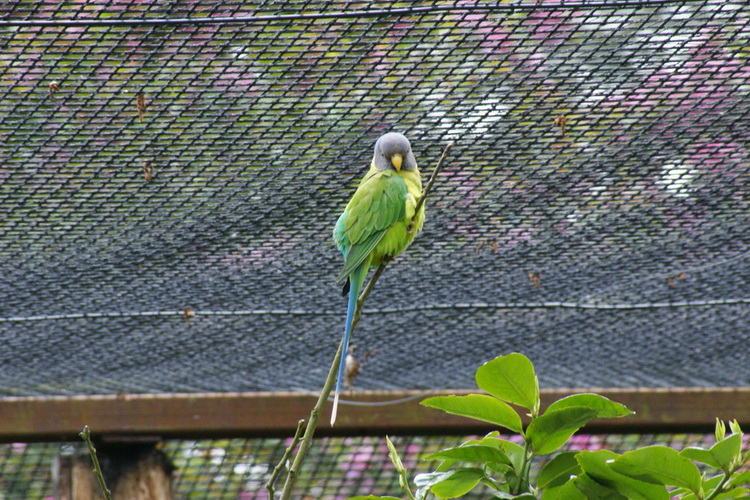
(393, 152)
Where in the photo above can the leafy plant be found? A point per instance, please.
(649, 473)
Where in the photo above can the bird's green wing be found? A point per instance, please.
(378, 203)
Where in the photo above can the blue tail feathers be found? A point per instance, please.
(356, 280)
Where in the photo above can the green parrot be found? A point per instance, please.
(374, 225)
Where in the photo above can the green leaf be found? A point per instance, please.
(396, 460)
(702, 456)
(605, 408)
(595, 491)
(661, 464)
(514, 452)
(597, 464)
(503, 494)
(455, 483)
(709, 485)
(567, 491)
(711, 482)
(733, 493)
(550, 431)
(506, 495)
(504, 470)
(510, 378)
(511, 450)
(479, 407)
(445, 466)
(720, 431)
(425, 480)
(728, 452)
(723, 455)
(393, 454)
(373, 497)
(741, 478)
(558, 470)
(471, 453)
(735, 427)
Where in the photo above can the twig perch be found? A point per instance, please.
(312, 424)
(428, 186)
(306, 443)
(284, 458)
(86, 435)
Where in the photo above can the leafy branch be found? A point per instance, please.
(652, 472)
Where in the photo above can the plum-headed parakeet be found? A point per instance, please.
(375, 224)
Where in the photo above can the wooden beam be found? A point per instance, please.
(276, 414)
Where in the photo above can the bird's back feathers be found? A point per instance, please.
(378, 204)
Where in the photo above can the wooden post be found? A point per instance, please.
(132, 471)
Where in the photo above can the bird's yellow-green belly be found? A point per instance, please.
(396, 239)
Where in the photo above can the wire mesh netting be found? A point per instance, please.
(239, 469)
(594, 206)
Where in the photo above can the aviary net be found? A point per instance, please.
(170, 173)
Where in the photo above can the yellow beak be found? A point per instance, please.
(397, 159)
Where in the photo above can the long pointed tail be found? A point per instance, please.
(355, 285)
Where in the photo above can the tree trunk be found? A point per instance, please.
(132, 471)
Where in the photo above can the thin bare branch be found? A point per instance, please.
(307, 439)
(428, 186)
(86, 436)
(284, 458)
